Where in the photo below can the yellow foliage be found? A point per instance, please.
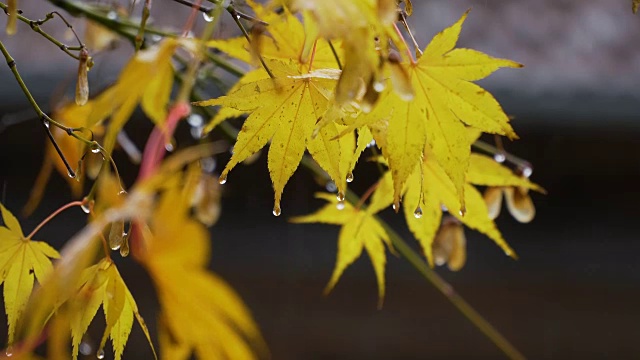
(22, 261)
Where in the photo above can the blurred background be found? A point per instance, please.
(573, 292)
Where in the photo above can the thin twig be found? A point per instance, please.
(54, 214)
(236, 18)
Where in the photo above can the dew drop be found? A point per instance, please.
(418, 212)
(195, 120)
(71, 174)
(197, 132)
(207, 17)
(208, 164)
(85, 207)
(340, 205)
(85, 348)
(169, 147)
(462, 211)
(372, 143)
(276, 210)
(527, 171)
(46, 123)
(95, 149)
(9, 351)
(331, 186)
(100, 354)
(444, 208)
(112, 15)
(499, 157)
(340, 196)
(222, 179)
(350, 177)
(156, 37)
(395, 207)
(379, 86)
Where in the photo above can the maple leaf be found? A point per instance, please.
(445, 99)
(200, 313)
(284, 110)
(21, 261)
(429, 189)
(101, 284)
(285, 40)
(360, 230)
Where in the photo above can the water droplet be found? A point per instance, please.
(222, 179)
(349, 177)
(71, 174)
(112, 15)
(527, 171)
(195, 120)
(207, 17)
(100, 354)
(372, 143)
(85, 207)
(276, 210)
(238, 17)
(169, 146)
(46, 123)
(340, 196)
(85, 348)
(340, 205)
(330, 186)
(116, 235)
(156, 38)
(418, 213)
(208, 164)
(197, 132)
(500, 157)
(95, 148)
(395, 207)
(379, 86)
(9, 351)
(462, 211)
(444, 208)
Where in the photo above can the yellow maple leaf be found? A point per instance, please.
(22, 261)
(101, 284)
(429, 189)
(360, 230)
(285, 110)
(285, 42)
(200, 313)
(445, 99)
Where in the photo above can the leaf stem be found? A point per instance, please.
(518, 162)
(236, 18)
(406, 46)
(335, 54)
(54, 214)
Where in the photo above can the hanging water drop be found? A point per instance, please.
(85, 207)
(71, 174)
(95, 148)
(46, 123)
(85, 348)
(276, 210)
(330, 186)
(500, 157)
(208, 164)
(395, 207)
(379, 86)
(169, 146)
(9, 351)
(207, 17)
(222, 179)
(349, 177)
(418, 212)
(116, 235)
(156, 37)
(195, 120)
(527, 171)
(372, 143)
(340, 196)
(100, 354)
(197, 132)
(112, 15)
